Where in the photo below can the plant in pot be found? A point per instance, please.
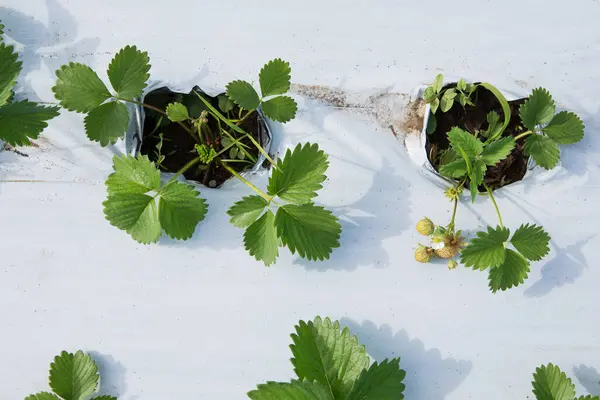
(20, 121)
(330, 364)
(72, 377)
(483, 142)
(207, 139)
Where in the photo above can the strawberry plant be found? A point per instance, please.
(550, 383)
(20, 121)
(330, 364)
(72, 377)
(467, 162)
(139, 203)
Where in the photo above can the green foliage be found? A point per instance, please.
(78, 88)
(487, 249)
(72, 377)
(275, 77)
(261, 240)
(128, 72)
(131, 205)
(332, 365)
(106, 123)
(550, 383)
(243, 94)
(299, 175)
(23, 120)
(10, 68)
(295, 390)
(274, 80)
(225, 103)
(281, 109)
(544, 150)
(177, 112)
(438, 97)
(498, 150)
(19, 121)
(547, 129)
(311, 231)
(507, 267)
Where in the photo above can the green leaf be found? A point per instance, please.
(326, 354)
(461, 85)
(282, 109)
(565, 128)
(486, 250)
(550, 383)
(494, 125)
(10, 68)
(225, 103)
(78, 88)
(512, 272)
(246, 211)
(20, 121)
(438, 82)
(298, 177)
(431, 124)
(136, 214)
(275, 77)
(380, 382)
(503, 103)
(531, 241)
(310, 230)
(177, 112)
(127, 206)
(538, 109)
(498, 150)
(471, 146)
(128, 72)
(447, 100)
(260, 239)
(73, 377)
(243, 94)
(133, 176)
(180, 209)
(588, 397)
(104, 397)
(454, 169)
(294, 390)
(107, 123)
(1, 30)
(429, 94)
(43, 396)
(476, 177)
(543, 150)
(435, 103)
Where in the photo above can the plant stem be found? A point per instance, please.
(250, 185)
(184, 169)
(245, 116)
(451, 224)
(236, 129)
(158, 110)
(523, 135)
(494, 202)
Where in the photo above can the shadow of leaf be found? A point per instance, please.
(428, 375)
(589, 379)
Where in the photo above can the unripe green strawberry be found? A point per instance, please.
(452, 264)
(424, 254)
(425, 227)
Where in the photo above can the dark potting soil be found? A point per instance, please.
(178, 145)
(471, 119)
